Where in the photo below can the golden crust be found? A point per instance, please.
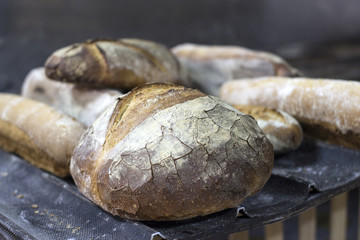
(38, 133)
(13, 139)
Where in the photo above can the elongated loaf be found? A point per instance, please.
(83, 103)
(209, 67)
(121, 64)
(38, 133)
(165, 152)
(327, 109)
(283, 131)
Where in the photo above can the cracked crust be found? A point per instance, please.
(122, 64)
(283, 131)
(38, 133)
(209, 67)
(186, 155)
(327, 109)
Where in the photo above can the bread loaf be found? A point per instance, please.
(327, 109)
(283, 131)
(209, 67)
(165, 152)
(121, 64)
(83, 103)
(38, 133)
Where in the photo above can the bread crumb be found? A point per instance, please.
(34, 206)
(76, 229)
(36, 212)
(20, 196)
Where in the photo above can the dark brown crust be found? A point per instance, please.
(91, 65)
(67, 68)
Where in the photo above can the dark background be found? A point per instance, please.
(31, 30)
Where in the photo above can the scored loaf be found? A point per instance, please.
(166, 152)
(38, 133)
(209, 66)
(283, 131)
(120, 64)
(85, 104)
(327, 109)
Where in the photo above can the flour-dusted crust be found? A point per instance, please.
(121, 64)
(327, 109)
(165, 152)
(209, 66)
(82, 103)
(38, 133)
(283, 130)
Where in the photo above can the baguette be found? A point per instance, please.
(327, 109)
(38, 133)
(209, 67)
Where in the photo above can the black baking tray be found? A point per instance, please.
(37, 205)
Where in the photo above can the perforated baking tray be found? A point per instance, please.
(37, 205)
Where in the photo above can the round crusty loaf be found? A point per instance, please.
(326, 109)
(121, 64)
(166, 152)
(282, 130)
